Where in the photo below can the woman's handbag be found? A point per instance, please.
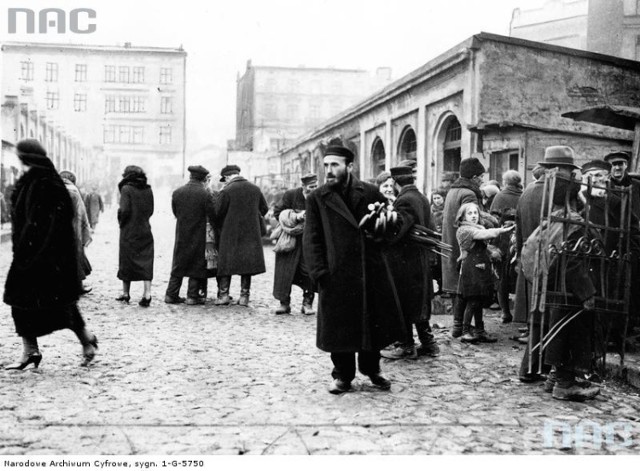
(286, 243)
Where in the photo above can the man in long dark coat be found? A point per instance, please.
(290, 266)
(409, 264)
(356, 308)
(95, 206)
(192, 205)
(620, 177)
(239, 211)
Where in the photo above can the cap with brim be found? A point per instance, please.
(229, 170)
(198, 169)
(408, 163)
(614, 156)
(401, 171)
(596, 165)
(309, 178)
(339, 151)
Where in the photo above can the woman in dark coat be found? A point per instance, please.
(136, 239)
(42, 283)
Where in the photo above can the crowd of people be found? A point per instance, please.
(373, 286)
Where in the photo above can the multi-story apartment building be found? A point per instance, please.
(125, 103)
(605, 26)
(275, 105)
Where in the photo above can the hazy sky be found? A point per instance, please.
(220, 36)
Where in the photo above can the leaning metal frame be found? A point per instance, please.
(611, 268)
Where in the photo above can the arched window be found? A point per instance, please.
(378, 157)
(408, 145)
(452, 147)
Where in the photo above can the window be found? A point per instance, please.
(452, 147)
(80, 102)
(165, 134)
(53, 100)
(51, 74)
(124, 104)
(123, 74)
(124, 134)
(26, 70)
(138, 75)
(109, 135)
(166, 75)
(408, 145)
(110, 104)
(166, 105)
(378, 157)
(138, 134)
(109, 73)
(138, 105)
(116, 134)
(81, 72)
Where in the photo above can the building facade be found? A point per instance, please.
(493, 97)
(275, 105)
(126, 104)
(609, 27)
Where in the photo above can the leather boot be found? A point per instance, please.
(285, 307)
(245, 287)
(428, 345)
(223, 298)
(307, 303)
(458, 314)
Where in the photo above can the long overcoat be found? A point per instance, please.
(192, 204)
(408, 260)
(239, 209)
(44, 271)
(136, 240)
(95, 206)
(527, 220)
(287, 262)
(356, 307)
(462, 191)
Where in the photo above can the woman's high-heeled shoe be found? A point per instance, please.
(88, 357)
(34, 358)
(145, 302)
(124, 298)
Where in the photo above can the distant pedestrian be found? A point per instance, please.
(95, 206)
(240, 208)
(42, 283)
(356, 308)
(291, 268)
(81, 227)
(192, 205)
(136, 239)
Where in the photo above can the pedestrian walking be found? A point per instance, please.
(42, 283)
(356, 308)
(409, 264)
(135, 261)
(240, 209)
(81, 227)
(192, 205)
(476, 279)
(291, 268)
(95, 206)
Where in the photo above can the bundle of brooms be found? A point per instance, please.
(385, 215)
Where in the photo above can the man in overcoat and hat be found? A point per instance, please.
(409, 264)
(620, 177)
(239, 210)
(527, 220)
(290, 266)
(192, 205)
(356, 308)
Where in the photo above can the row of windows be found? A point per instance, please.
(293, 111)
(314, 86)
(112, 103)
(121, 74)
(125, 134)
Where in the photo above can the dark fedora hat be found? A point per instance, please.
(555, 156)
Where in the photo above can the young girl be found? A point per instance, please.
(476, 280)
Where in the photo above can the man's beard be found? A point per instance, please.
(340, 180)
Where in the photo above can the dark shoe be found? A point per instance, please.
(483, 337)
(470, 337)
(34, 358)
(531, 378)
(574, 392)
(400, 352)
(338, 386)
(172, 300)
(380, 382)
(194, 301)
(429, 349)
(507, 318)
(285, 308)
(456, 332)
(145, 302)
(307, 309)
(87, 357)
(125, 298)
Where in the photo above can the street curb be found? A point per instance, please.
(629, 373)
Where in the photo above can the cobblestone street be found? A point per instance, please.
(176, 379)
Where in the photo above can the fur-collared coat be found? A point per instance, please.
(239, 211)
(356, 307)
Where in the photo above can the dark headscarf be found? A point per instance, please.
(30, 152)
(134, 176)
